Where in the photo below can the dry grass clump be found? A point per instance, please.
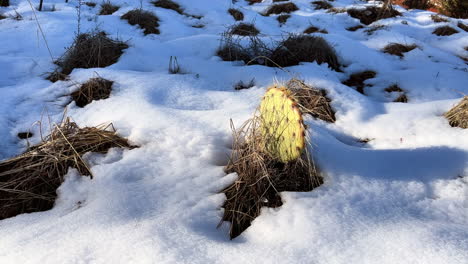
(90, 50)
(401, 99)
(2, 17)
(168, 4)
(28, 182)
(90, 4)
(261, 178)
(311, 100)
(241, 85)
(288, 52)
(357, 80)
(236, 14)
(107, 8)
(444, 31)
(4, 3)
(276, 1)
(371, 14)
(313, 29)
(281, 8)
(282, 19)
(336, 10)
(438, 19)
(462, 26)
(145, 19)
(244, 29)
(355, 28)
(304, 48)
(398, 49)
(418, 4)
(455, 8)
(92, 90)
(251, 2)
(322, 5)
(458, 115)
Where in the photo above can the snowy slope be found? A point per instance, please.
(400, 198)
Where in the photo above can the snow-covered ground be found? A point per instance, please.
(400, 198)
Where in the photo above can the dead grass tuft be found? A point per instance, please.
(357, 80)
(24, 135)
(313, 29)
(462, 26)
(444, 31)
(281, 8)
(92, 90)
(401, 99)
(336, 10)
(244, 29)
(4, 3)
(282, 19)
(90, 4)
(241, 85)
(398, 49)
(371, 14)
(236, 14)
(311, 100)
(322, 5)
(145, 19)
(108, 9)
(28, 182)
(458, 115)
(438, 19)
(168, 4)
(251, 2)
(261, 179)
(91, 50)
(2, 16)
(418, 4)
(355, 28)
(56, 76)
(304, 48)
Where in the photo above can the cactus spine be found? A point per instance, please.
(282, 126)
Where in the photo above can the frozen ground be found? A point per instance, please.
(400, 198)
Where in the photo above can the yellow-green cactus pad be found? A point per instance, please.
(282, 125)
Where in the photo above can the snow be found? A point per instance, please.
(400, 198)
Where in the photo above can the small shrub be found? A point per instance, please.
(371, 14)
(357, 80)
(281, 8)
(313, 29)
(168, 4)
(444, 31)
(372, 29)
(108, 9)
(91, 50)
(4, 3)
(321, 5)
(244, 29)
(418, 4)
(458, 115)
(145, 19)
(304, 48)
(236, 14)
(282, 19)
(438, 19)
(29, 182)
(92, 90)
(398, 49)
(462, 26)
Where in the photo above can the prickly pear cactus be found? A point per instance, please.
(282, 125)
